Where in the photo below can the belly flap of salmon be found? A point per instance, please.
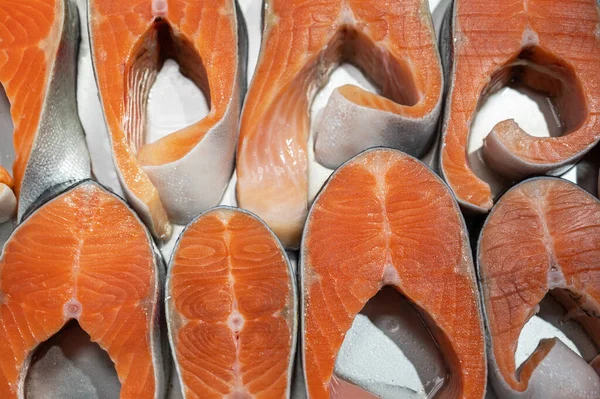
(541, 238)
(547, 46)
(186, 172)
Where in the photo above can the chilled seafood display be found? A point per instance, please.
(368, 291)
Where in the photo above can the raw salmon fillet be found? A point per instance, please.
(303, 41)
(86, 256)
(179, 176)
(382, 219)
(543, 236)
(549, 46)
(231, 308)
(38, 58)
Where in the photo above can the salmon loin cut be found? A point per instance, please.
(552, 47)
(38, 58)
(186, 172)
(393, 42)
(83, 256)
(542, 237)
(384, 218)
(231, 308)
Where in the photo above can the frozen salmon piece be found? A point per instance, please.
(231, 308)
(83, 256)
(548, 46)
(542, 237)
(303, 42)
(38, 58)
(385, 219)
(186, 172)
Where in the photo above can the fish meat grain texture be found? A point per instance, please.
(383, 218)
(542, 237)
(303, 42)
(231, 308)
(552, 47)
(38, 58)
(174, 179)
(83, 256)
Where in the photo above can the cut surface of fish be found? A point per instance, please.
(175, 178)
(384, 219)
(542, 238)
(303, 41)
(38, 51)
(83, 256)
(231, 308)
(548, 47)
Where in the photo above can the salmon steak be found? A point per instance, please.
(384, 219)
(541, 238)
(551, 47)
(175, 178)
(38, 57)
(303, 42)
(84, 256)
(231, 308)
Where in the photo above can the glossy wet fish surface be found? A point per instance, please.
(186, 172)
(231, 303)
(38, 56)
(550, 47)
(542, 238)
(303, 41)
(371, 226)
(83, 256)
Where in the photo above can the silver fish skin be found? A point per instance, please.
(59, 154)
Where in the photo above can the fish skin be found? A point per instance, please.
(167, 188)
(553, 370)
(508, 150)
(275, 114)
(58, 152)
(176, 321)
(372, 280)
(38, 330)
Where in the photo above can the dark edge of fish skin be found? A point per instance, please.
(302, 256)
(242, 33)
(292, 278)
(162, 364)
(69, 42)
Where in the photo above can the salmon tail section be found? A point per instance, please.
(302, 44)
(382, 219)
(84, 255)
(534, 46)
(37, 70)
(231, 291)
(542, 238)
(173, 179)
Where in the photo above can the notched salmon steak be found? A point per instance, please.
(231, 308)
(83, 256)
(38, 58)
(542, 237)
(552, 47)
(303, 41)
(382, 219)
(181, 175)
